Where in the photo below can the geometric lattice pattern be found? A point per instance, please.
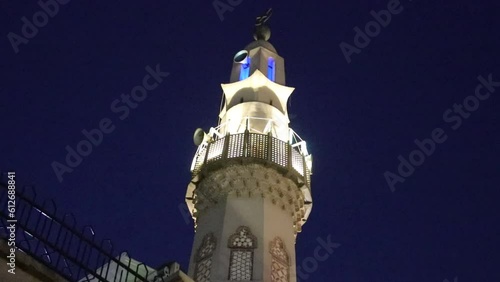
(215, 150)
(242, 244)
(279, 271)
(203, 270)
(204, 258)
(277, 250)
(298, 161)
(279, 154)
(241, 265)
(258, 148)
(207, 247)
(236, 145)
(242, 239)
(280, 262)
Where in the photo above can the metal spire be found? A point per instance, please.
(262, 31)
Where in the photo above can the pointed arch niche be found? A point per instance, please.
(280, 265)
(271, 69)
(204, 258)
(242, 245)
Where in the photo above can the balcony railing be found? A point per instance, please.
(253, 145)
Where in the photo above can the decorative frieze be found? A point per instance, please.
(247, 180)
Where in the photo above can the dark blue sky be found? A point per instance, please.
(441, 222)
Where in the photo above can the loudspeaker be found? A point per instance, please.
(200, 136)
(241, 57)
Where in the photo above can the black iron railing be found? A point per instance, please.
(56, 242)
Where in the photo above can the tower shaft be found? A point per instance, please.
(250, 188)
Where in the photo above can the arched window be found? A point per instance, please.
(242, 244)
(280, 265)
(245, 69)
(204, 258)
(271, 71)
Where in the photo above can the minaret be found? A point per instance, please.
(250, 191)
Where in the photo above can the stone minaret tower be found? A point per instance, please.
(250, 191)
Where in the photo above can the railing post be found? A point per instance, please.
(269, 146)
(246, 142)
(206, 155)
(225, 149)
(304, 166)
(289, 156)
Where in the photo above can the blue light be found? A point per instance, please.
(245, 69)
(271, 68)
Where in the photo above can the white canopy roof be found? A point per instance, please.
(258, 82)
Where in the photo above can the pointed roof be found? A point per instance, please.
(261, 43)
(257, 81)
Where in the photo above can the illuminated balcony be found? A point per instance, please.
(292, 159)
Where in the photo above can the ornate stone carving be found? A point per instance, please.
(280, 265)
(242, 244)
(246, 180)
(204, 258)
(242, 239)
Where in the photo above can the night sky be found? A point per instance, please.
(442, 222)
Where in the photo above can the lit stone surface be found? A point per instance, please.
(247, 181)
(250, 183)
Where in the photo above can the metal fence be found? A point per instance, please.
(58, 243)
(253, 145)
